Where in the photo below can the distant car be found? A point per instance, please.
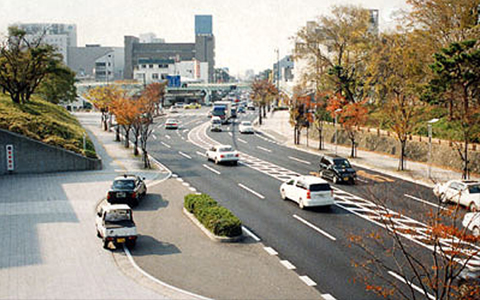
(179, 105)
(193, 106)
(127, 189)
(337, 169)
(307, 191)
(222, 153)
(216, 124)
(233, 112)
(245, 127)
(241, 110)
(471, 221)
(250, 106)
(463, 192)
(171, 124)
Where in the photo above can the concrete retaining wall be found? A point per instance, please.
(31, 156)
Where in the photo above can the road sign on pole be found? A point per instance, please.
(10, 164)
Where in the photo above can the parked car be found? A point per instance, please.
(127, 189)
(223, 153)
(245, 127)
(307, 191)
(173, 110)
(193, 105)
(114, 223)
(471, 221)
(337, 169)
(463, 192)
(171, 124)
(216, 124)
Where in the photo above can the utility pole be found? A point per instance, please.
(278, 72)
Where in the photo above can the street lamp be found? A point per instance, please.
(429, 126)
(335, 126)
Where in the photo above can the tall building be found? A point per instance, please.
(203, 24)
(60, 36)
(94, 62)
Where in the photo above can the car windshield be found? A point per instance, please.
(474, 189)
(171, 121)
(123, 184)
(117, 215)
(319, 187)
(246, 123)
(216, 121)
(225, 149)
(341, 163)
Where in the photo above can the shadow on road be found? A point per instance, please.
(147, 245)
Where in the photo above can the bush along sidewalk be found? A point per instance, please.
(217, 219)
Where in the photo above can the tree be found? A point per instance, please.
(457, 71)
(24, 64)
(59, 86)
(102, 97)
(126, 111)
(263, 93)
(156, 92)
(396, 67)
(146, 104)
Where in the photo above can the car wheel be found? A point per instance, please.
(473, 207)
(105, 244)
(216, 161)
(320, 173)
(235, 163)
(352, 181)
(443, 198)
(335, 179)
(300, 204)
(476, 231)
(282, 194)
(131, 244)
(98, 234)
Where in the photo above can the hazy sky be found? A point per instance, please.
(247, 32)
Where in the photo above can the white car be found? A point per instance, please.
(472, 222)
(464, 192)
(171, 124)
(222, 153)
(245, 127)
(307, 191)
(216, 124)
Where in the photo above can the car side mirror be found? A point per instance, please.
(143, 178)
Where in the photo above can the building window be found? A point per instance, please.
(164, 76)
(155, 76)
(150, 66)
(144, 66)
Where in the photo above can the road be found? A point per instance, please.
(316, 241)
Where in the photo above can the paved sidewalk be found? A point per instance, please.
(277, 125)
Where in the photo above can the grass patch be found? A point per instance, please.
(45, 122)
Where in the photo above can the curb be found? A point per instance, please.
(213, 237)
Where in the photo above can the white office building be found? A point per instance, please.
(156, 70)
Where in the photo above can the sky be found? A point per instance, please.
(247, 32)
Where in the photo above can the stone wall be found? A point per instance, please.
(32, 156)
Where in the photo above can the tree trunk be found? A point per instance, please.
(264, 111)
(117, 134)
(127, 137)
(466, 172)
(135, 145)
(401, 165)
(320, 139)
(295, 134)
(352, 150)
(260, 115)
(299, 132)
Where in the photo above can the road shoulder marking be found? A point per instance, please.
(251, 191)
(308, 281)
(211, 169)
(315, 227)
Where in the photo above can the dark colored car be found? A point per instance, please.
(337, 169)
(127, 189)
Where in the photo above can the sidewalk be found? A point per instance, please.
(277, 125)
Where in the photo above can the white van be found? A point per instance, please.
(216, 124)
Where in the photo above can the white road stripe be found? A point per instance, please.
(154, 137)
(186, 184)
(308, 281)
(167, 136)
(409, 283)
(242, 141)
(166, 145)
(184, 155)
(270, 250)
(264, 149)
(201, 154)
(180, 179)
(315, 227)
(328, 297)
(256, 238)
(424, 201)
(287, 264)
(211, 169)
(251, 191)
(230, 134)
(193, 189)
(361, 180)
(299, 160)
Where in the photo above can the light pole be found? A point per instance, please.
(429, 126)
(335, 126)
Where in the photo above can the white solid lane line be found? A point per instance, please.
(251, 191)
(184, 155)
(308, 281)
(424, 201)
(287, 264)
(270, 250)
(264, 149)
(299, 160)
(154, 137)
(167, 136)
(409, 283)
(315, 227)
(328, 297)
(242, 141)
(256, 238)
(211, 169)
(166, 145)
(201, 154)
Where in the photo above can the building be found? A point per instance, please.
(203, 24)
(60, 36)
(202, 50)
(221, 75)
(285, 73)
(150, 37)
(156, 70)
(94, 62)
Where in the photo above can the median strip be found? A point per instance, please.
(211, 169)
(315, 227)
(299, 160)
(251, 191)
(184, 155)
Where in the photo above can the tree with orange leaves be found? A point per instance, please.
(156, 92)
(147, 103)
(102, 97)
(263, 93)
(126, 111)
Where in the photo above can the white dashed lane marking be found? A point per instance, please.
(287, 264)
(251, 191)
(264, 149)
(270, 250)
(315, 227)
(166, 145)
(242, 141)
(184, 155)
(211, 169)
(308, 281)
(410, 284)
(300, 160)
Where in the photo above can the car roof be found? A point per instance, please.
(312, 179)
(243, 122)
(331, 156)
(171, 120)
(224, 146)
(126, 177)
(110, 207)
(466, 182)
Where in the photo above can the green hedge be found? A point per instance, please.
(214, 217)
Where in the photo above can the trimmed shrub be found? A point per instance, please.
(219, 220)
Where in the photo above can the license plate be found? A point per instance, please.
(345, 179)
(121, 240)
(121, 195)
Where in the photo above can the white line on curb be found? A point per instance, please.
(308, 281)
(251, 191)
(299, 160)
(179, 179)
(256, 238)
(264, 149)
(186, 184)
(166, 145)
(270, 250)
(211, 169)
(315, 227)
(193, 189)
(184, 155)
(242, 141)
(409, 283)
(287, 264)
(328, 297)
(423, 201)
